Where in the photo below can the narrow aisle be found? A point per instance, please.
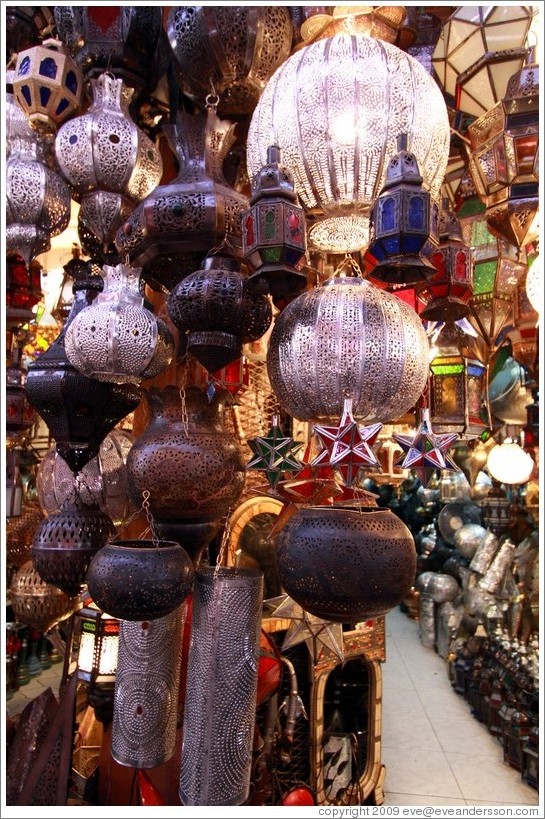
(434, 750)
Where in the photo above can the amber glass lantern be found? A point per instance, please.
(504, 158)
(97, 657)
(456, 386)
(47, 84)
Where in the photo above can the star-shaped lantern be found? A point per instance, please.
(426, 451)
(319, 635)
(347, 447)
(274, 454)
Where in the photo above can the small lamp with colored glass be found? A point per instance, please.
(97, 658)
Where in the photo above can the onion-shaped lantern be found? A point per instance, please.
(335, 110)
(216, 309)
(116, 338)
(348, 339)
(120, 39)
(36, 603)
(79, 411)
(110, 162)
(404, 222)
(447, 293)
(47, 85)
(233, 49)
(273, 231)
(172, 230)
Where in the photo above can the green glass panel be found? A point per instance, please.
(271, 254)
(484, 276)
(447, 369)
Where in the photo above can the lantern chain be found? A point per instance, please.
(149, 517)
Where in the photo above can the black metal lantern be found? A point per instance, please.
(97, 657)
(458, 386)
(273, 231)
(404, 222)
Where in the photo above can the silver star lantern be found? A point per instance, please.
(347, 447)
(318, 634)
(274, 453)
(425, 451)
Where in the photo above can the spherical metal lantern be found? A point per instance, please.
(468, 538)
(37, 603)
(508, 463)
(233, 49)
(65, 542)
(440, 587)
(348, 339)
(345, 564)
(335, 109)
(116, 338)
(219, 312)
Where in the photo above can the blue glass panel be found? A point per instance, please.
(63, 104)
(25, 65)
(416, 213)
(71, 82)
(48, 68)
(388, 215)
(73, 139)
(45, 93)
(391, 244)
(412, 244)
(25, 91)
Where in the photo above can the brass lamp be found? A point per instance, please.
(97, 657)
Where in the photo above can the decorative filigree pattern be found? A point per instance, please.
(36, 603)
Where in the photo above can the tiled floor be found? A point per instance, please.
(434, 751)
(49, 678)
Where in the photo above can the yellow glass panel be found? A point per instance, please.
(471, 13)
(469, 104)
(501, 73)
(465, 55)
(479, 88)
(508, 14)
(459, 33)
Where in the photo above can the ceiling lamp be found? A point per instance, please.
(508, 463)
(479, 49)
(335, 110)
(504, 158)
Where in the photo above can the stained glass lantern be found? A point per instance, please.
(97, 657)
(404, 222)
(23, 289)
(335, 109)
(504, 158)
(456, 386)
(273, 230)
(524, 336)
(47, 85)
(446, 294)
(479, 49)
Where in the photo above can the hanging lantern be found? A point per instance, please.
(446, 294)
(479, 49)
(404, 222)
(456, 386)
(425, 452)
(273, 231)
(65, 542)
(508, 463)
(534, 285)
(524, 336)
(381, 22)
(110, 163)
(13, 483)
(116, 338)
(337, 129)
(22, 290)
(120, 39)
(347, 339)
(146, 690)
(233, 49)
(47, 85)
(504, 158)
(79, 411)
(36, 603)
(19, 414)
(97, 657)
(172, 230)
(216, 308)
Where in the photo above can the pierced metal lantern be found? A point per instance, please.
(216, 308)
(146, 690)
(232, 49)
(79, 411)
(120, 39)
(335, 110)
(446, 294)
(221, 688)
(273, 230)
(458, 387)
(172, 230)
(65, 542)
(348, 339)
(116, 338)
(36, 603)
(504, 158)
(47, 85)
(110, 163)
(403, 222)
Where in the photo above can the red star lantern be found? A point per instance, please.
(347, 447)
(426, 451)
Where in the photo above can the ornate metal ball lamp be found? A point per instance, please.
(504, 158)
(457, 383)
(479, 49)
(274, 231)
(47, 85)
(446, 294)
(403, 222)
(98, 636)
(337, 128)
(232, 49)
(36, 603)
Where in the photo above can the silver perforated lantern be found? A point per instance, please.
(348, 339)
(146, 690)
(116, 338)
(110, 162)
